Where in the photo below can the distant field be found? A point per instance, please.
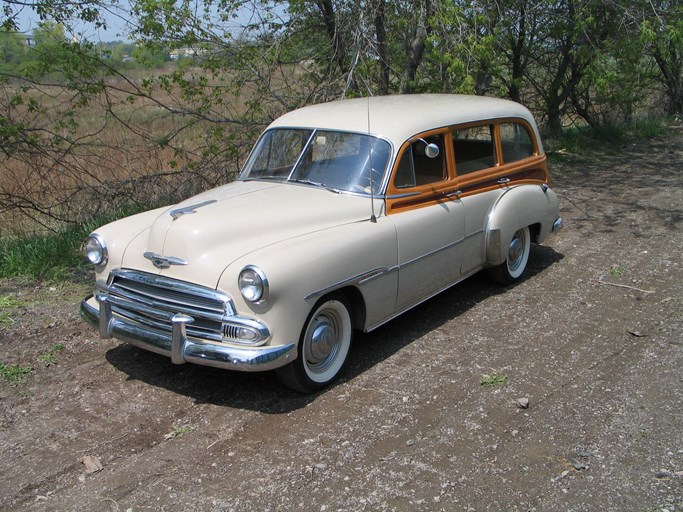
(119, 148)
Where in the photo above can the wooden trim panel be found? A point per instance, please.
(529, 170)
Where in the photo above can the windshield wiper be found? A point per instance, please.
(315, 184)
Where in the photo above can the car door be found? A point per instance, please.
(423, 204)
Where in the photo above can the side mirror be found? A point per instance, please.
(432, 150)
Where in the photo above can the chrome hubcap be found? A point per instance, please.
(516, 251)
(323, 342)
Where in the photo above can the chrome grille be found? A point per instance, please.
(153, 300)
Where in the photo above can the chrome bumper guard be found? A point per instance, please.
(180, 347)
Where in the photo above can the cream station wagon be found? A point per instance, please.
(345, 215)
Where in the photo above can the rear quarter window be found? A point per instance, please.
(516, 142)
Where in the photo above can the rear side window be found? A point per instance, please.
(516, 141)
(474, 149)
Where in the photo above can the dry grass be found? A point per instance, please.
(121, 147)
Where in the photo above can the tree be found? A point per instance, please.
(661, 29)
(13, 50)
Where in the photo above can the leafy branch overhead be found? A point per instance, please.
(88, 127)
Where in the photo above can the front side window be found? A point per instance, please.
(516, 142)
(417, 168)
(474, 149)
(340, 161)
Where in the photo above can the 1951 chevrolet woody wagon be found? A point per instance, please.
(346, 215)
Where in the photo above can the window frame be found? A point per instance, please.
(531, 169)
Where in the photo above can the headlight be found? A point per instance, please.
(253, 284)
(96, 250)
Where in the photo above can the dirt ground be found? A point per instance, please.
(593, 338)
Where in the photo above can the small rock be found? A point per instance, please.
(578, 465)
(410, 442)
(582, 453)
(522, 403)
(679, 474)
(561, 476)
(514, 432)
(663, 473)
(92, 464)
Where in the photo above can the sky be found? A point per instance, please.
(116, 19)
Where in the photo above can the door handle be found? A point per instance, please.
(503, 180)
(455, 193)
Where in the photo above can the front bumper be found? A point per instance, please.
(180, 348)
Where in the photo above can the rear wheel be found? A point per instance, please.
(323, 347)
(513, 267)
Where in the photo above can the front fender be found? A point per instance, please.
(519, 207)
(303, 269)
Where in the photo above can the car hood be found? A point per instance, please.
(207, 232)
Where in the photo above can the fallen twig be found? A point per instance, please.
(600, 281)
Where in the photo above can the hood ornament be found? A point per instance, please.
(162, 262)
(179, 212)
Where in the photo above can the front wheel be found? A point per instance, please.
(511, 270)
(323, 347)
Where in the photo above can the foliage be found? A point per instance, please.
(86, 127)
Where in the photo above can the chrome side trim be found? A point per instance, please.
(445, 247)
(184, 348)
(420, 301)
(358, 279)
(401, 196)
(374, 274)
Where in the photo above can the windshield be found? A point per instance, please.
(339, 161)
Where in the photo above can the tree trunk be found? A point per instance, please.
(416, 48)
(670, 65)
(382, 53)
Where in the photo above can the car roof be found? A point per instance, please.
(399, 117)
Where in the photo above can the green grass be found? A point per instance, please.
(14, 373)
(494, 379)
(179, 430)
(51, 357)
(584, 139)
(7, 304)
(51, 256)
(46, 256)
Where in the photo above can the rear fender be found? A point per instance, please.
(516, 208)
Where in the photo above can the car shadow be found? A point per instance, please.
(262, 392)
